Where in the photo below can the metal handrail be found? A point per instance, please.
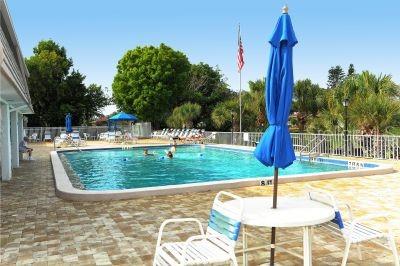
(315, 146)
(306, 146)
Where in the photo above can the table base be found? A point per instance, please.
(307, 246)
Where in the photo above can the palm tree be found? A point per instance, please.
(374, 113)
(184, 115)
(256, 102)
(373, 102)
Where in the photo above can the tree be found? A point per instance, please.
(351, 71)
(257, 102)
(374, 113)
(222, 114)
(95, 100)
(207, 87)
(56, 91)
(48, 68)
(184, 115)
(335, 76)
(373, 104)
(150, 82)
(306, 101)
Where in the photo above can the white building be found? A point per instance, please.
(14, 94)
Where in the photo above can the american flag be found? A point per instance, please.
(240, 53)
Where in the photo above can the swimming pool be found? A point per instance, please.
(116, 169)
(96, 174)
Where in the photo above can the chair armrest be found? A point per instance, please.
(178, 220)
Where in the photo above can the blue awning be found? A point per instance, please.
(123, 117)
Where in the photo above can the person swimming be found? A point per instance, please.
(170, 154)
(173, 149)
(146, 153)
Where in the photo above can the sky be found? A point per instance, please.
(98, 33)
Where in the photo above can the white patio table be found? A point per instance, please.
(291, 212)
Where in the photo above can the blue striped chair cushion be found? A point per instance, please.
(224, 225)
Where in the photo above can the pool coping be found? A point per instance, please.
(65, 190)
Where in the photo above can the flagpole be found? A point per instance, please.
(240, 93)
(240, 101)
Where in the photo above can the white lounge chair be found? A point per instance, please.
(62, 139)
(76, 139)
(47, 136)
(215, 246)
(158, 134)
(103, 136)
(354, 231)
(111, 137)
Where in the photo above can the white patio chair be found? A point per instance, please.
(34, 137)
(354, 231)
(215, 246)
(86, 136)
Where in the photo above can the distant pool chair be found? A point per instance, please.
(61, 140)
(34, 137)
(354, 231)
(217, 245)
(76, 139)
(47, 136)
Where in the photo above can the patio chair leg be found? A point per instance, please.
(359, 251)
(244, 245)
(346, 253)
(392, 245)
(234, 261)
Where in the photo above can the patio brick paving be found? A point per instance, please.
(40, 229)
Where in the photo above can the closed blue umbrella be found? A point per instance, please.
(68, 123)
(275, 147)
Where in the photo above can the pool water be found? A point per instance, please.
(115, 169)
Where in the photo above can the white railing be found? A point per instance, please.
(366, 146)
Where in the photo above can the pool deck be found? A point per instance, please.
(39, 228)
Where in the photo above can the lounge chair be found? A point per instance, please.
(158, 134)
(47, 136)
(76, 140)
(62, 139)
(103, 136)
(129, 138)
(111, 136)
(354, 231)
(217, 245)
(185, 134)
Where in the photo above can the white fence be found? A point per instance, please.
(142, 130)
(367, 146)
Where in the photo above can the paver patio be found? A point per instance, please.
(40, 229)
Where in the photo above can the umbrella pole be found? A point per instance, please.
(273, 231)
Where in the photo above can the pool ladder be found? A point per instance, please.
(313, 153)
